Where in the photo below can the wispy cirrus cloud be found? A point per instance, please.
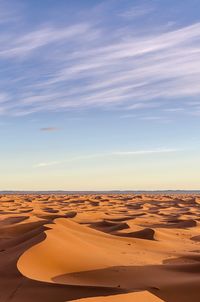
(78, 66)
(47, 164)
(113, 154)
(146, 152)
(26, 44)
(137, 11)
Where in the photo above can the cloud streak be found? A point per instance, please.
(137, 11)
(77, 67)
(113, 154)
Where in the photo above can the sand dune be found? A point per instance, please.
(134, 297)
(99, 248)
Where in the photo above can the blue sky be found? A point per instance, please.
(99, 94)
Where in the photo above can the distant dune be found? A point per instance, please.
(100, 247)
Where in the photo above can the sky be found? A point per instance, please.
(99, 95)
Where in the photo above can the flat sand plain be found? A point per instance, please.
(58, 248)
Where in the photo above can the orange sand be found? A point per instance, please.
(58, 248)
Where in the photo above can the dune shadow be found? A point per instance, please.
(167, 282)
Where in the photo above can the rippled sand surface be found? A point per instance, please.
(57, 248)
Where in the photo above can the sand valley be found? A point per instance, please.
(105, 247)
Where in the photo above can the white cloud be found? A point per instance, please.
(27, 43)
(137, 11)
(146, 152)
(176, 109)
(108, 155)
(4, 97)
(47, 164)
(78, 66)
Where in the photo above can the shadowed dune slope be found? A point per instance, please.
(58, 248)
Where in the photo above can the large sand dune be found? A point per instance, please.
(58, 248)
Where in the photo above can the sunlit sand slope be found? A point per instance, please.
(58, 248)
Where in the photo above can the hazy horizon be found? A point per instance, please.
(99, 95)
(115, 191)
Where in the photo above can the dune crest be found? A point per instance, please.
(70, 247)
(99, 248)
(133, 297)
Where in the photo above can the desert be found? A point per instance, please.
(99, 247)
(100, 151)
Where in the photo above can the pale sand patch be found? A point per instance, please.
(144, 296)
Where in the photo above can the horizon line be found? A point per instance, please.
(100, 191)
